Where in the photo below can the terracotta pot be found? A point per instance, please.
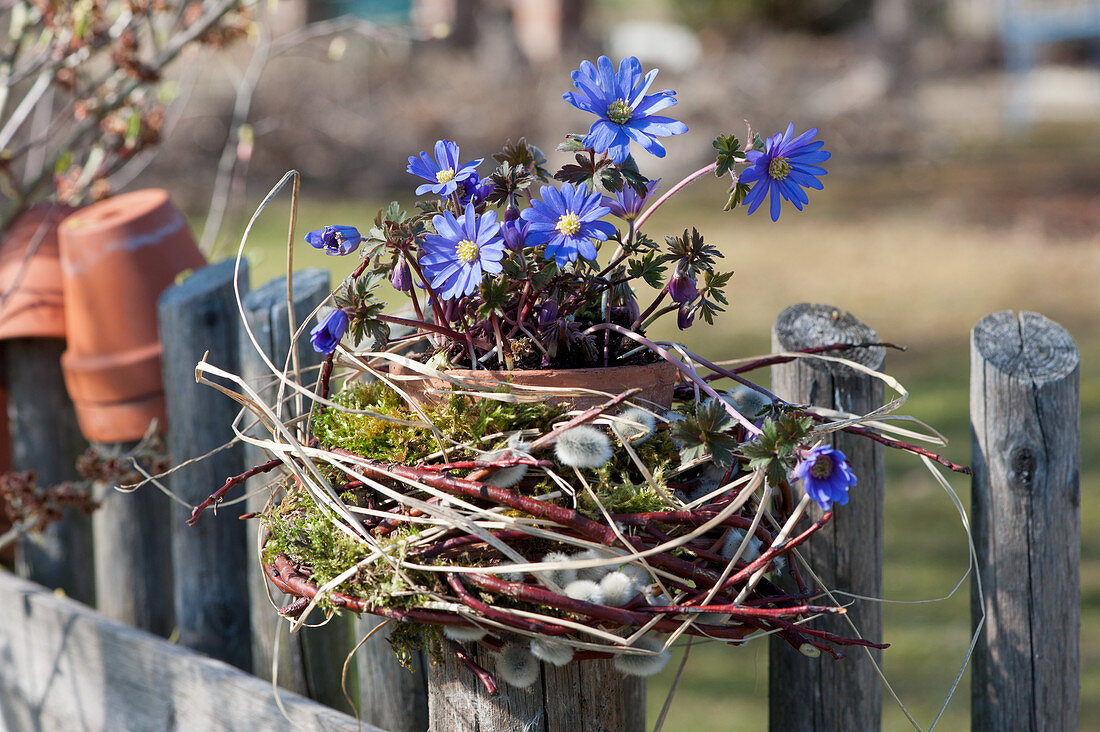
(657, 381)
(117, 256)
(34, 309)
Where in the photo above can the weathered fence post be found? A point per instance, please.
(209, 559)
(583, 696)
(133, 554)
(1026, 450)
(311, 661)
(47, 440)
(820, 693)
(390, 696)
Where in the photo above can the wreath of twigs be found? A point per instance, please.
(498, 565)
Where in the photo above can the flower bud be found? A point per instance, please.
(685, 316)
(514, 233)
(681, 288)
(327, 334)
(548, 313)
(335, 240)
(452, 310)
(401, 279)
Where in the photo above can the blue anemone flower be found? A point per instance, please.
(456, 256)
(326, 334)
(335, 240)
(825, 476)
(515, 233)
(625, 111)
(444, 173)
(474, 190)
(627, 204)
(566, 222)
(786, 166)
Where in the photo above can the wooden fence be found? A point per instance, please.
(64, 666)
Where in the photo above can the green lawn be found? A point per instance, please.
(922, 280)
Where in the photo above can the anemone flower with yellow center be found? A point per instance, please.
(456, 257)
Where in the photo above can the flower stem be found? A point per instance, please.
(673, 191)
(649, 310)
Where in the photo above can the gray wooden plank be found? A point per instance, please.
(312, 660)
(209, 560)
(46, 439)
(132, 550)
(65, 667)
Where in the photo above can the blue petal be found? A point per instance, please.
(805, 180)
(638, 93)
(803, 139)
(582, 102)
(650, 144)
(812, 147)
(793, 193)
(654, 103)
(756, 195)
(587, 249)
(663, 126)
(814, 157)
(607, 74)
(620, 151)
(446, 154)
(810, 169)
(751, 174)
(602, 135)
(776, 199)
(601, 230)
(534, 238)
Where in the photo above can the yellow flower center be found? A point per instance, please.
(779, 168)
(822, 468)
(466, 251)
(619, 112)
(444, 176)
(569, 224)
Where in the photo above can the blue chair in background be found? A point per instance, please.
(1025, 24)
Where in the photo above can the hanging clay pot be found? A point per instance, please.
(117, 256)
(30, 275)
(656, 380)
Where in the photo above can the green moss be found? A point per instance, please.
(408, 639)
(303, 530)
(459, 418)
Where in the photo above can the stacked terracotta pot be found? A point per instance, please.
(117, 256)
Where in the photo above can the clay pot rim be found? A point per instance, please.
(581, 388)
(107, 215)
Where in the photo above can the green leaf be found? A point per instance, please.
(494, 295)
(703, 432)
(737, 194)
(573, 143)
(691, 253)
(649, 267)
(611, 179)
(728, 147)
(524, 155)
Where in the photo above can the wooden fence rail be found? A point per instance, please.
(55, 655)
(64, 666)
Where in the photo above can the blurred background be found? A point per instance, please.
(965, 179)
